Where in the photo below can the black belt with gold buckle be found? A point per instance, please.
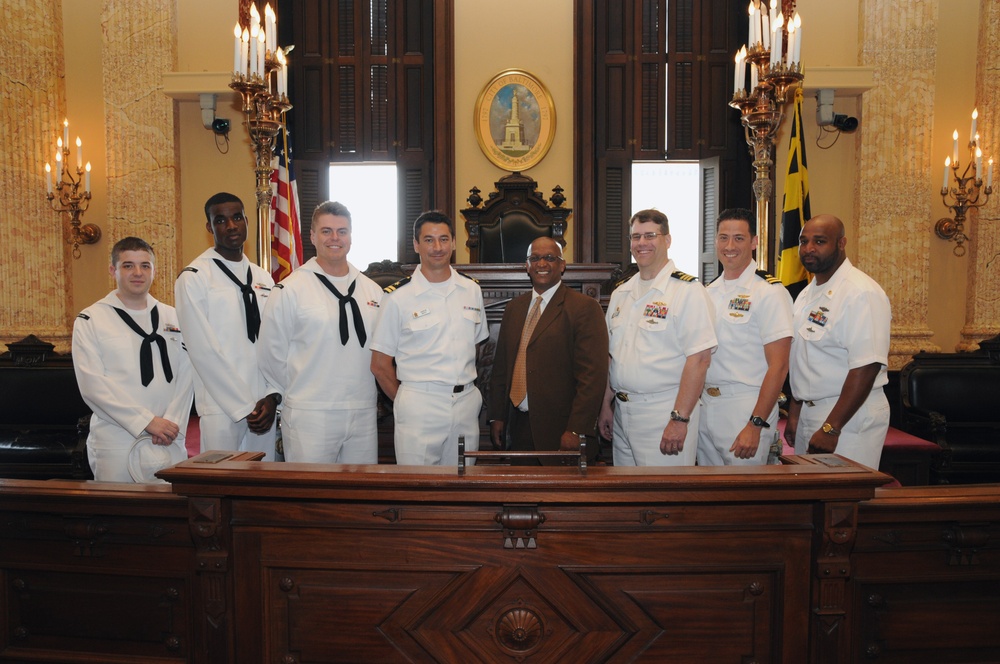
(457, 389)
(621, 396)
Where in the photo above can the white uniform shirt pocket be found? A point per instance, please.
(421, 321)
(812, 331)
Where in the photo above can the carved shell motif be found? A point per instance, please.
(519, 630)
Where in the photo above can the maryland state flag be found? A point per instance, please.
(795, 209)
(286, 232)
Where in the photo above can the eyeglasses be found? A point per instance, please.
(635, 237)
(548, 258)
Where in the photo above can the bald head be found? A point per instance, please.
(545, 264)
(822, 243)
(833, 226)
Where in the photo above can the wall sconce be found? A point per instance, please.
(66, 197)
(966, 195)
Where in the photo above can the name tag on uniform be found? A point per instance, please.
(422, 312)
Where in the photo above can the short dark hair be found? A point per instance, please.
(336, 208)
(432, 217)
(129, 244)
(221, 197)
(740, 214)
(653, 215)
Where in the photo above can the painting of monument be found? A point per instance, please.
(515, 120)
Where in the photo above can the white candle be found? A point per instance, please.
(282, 74)
(254, 15)
(48, 176)
(87, 185)
(765, 28)
(66, 131)
(753, 77)
(750, 25)
(270, 23)
(261, 68)
(972, 132)
(79, 153)
(59, 168)
(954, 148)
(947, 165)
(774, 11)
(254, 32)
(59, 144)
(798, 39)
(777, 41)
(237, 47)
(245, 52)
(989, 177)
(736, 73)
(979, 164)
(791, 43)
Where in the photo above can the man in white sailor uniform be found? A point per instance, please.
(840, 351)
(430, 324)
(314, 348)
(753, 323)
(131, 366)
(219, 298)
(661, 340)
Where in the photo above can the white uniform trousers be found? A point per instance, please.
(429, 419)
(330, 436)
(218, 432)
(638, 428)
(862, 437)
(109, 458)
(722, 419)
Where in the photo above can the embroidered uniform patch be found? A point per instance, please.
(655, 310)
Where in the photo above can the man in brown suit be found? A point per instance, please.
(546, 389)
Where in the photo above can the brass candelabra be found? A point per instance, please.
(264, 116)
(762, 112)
(70, 198)
(967, 193)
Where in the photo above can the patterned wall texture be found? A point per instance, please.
(899, 39)
(34, 292)
(143, 178)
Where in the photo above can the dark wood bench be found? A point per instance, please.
(44, 421)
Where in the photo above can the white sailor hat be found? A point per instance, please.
(145, 459)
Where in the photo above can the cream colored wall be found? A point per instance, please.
(955, 99)
(487, 42)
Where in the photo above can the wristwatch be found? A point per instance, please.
(677, 417)
(829, 428)
(759, 421)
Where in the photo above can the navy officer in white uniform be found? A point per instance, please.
(661, 341)
(753, 323)
(424, 350)
(840, 351)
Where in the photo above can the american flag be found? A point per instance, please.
(286, 231)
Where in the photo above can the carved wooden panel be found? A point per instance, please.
(398, 582)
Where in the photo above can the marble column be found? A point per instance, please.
(898, 38)
(982, 309)
(34, 281)
(140, 45)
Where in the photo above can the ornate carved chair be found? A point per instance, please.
(514, 215)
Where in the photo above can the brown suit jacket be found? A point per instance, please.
(567, 365)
